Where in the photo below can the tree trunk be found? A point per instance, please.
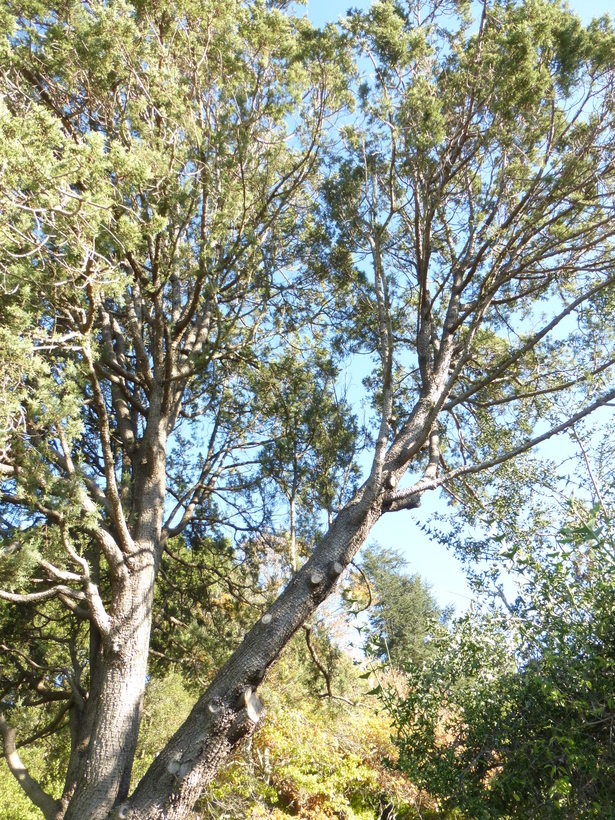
(114, 708)
(226, 713)
(82, 720)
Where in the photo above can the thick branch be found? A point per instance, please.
(29, 785)
(386, 356)
(37, 597)
(92, 593)
(404, 498)
(105, 440)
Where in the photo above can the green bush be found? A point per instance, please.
(515, 714)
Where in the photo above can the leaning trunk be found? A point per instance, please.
(228, 711)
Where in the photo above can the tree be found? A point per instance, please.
(514, 715)
(165, 230)
(403, 614)
(310, 454)
(157, 170)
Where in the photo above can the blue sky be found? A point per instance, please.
(322, 11)
(402, 530)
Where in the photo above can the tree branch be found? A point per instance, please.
(31, 788)
(92, 594)
(105, 440)
(37, 597)
(529, 344)
(404, 499)
(386, 356)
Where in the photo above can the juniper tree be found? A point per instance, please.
(157, 166)
(169, 222)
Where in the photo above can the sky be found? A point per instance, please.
(322, 11)
(402, 531)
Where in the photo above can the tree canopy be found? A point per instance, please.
(209, 212)
(403, 615)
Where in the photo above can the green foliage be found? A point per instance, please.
(514, 715)
(404, 616)
(13, 802)
(206, 599)
(314, 758)
(166, 705)
(311, 456)
(154, 162)
(45, 759)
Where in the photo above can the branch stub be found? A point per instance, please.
(253, 704)
(173, 766)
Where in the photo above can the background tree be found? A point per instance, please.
(514, 716)
(402, 613)
(310, 457)
(160, 211)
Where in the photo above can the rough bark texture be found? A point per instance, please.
(104, 775)
(219, 719)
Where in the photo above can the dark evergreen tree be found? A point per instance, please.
(404, 614)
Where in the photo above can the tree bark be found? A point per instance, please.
(114, 708)
(219, 719)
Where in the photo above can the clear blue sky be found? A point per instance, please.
(402, 530)
(321, 11)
